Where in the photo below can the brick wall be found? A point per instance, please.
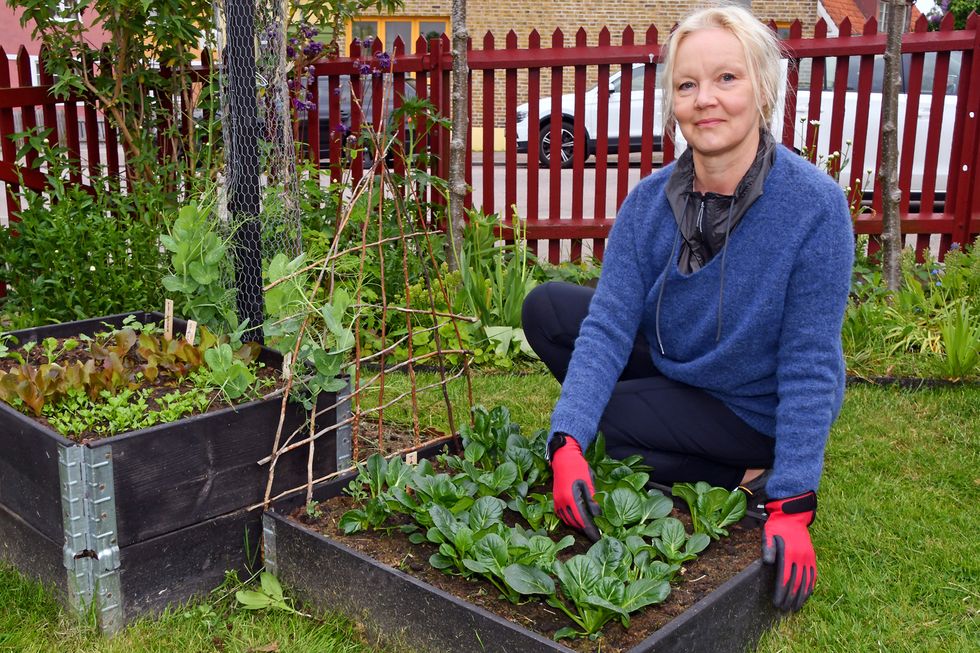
(501, 16)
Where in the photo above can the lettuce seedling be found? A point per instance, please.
(675, 546)
(538, 510)
(712, 508)
(626, 511)
(596, 587)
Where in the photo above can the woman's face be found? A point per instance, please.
(714, 101)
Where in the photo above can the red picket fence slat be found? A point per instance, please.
(510, 135)
(534, 133)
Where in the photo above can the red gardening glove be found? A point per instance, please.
(786, 542)
(573, 489)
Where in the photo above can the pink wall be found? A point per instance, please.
(12, 35)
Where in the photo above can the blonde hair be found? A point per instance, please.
(761, 48)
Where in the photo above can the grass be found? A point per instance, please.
(897, 535)
(31, 621)
(898, 528)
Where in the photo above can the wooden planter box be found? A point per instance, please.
(408, 614)
(149, 518)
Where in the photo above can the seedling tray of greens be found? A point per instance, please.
(128, 378)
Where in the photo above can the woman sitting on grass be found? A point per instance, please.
(711, 345)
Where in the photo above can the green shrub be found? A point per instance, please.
(76, 255)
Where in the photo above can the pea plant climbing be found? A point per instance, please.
(378, 277)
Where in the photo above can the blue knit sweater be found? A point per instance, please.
(783, 286)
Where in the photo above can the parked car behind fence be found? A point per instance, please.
(639, 114)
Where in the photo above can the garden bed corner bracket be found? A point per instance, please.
(269, 543)
(91, 550)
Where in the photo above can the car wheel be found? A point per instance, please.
(566, 150)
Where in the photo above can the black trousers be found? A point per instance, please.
(681, 431)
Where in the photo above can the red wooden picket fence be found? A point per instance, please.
(950, 217)
(74, 122)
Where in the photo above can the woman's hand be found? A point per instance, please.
(786, 543)
(573, 489)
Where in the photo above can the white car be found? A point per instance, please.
(848, 175)
(637, 115)
(592, 119)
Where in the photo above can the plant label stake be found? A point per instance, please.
(412, 458)
(191, 332)
(287, 365)
(168, 319)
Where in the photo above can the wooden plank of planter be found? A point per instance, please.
(169, 476)
(404, 611)
(154, 574)
(29, 472)
(32, 552)
(190, 562)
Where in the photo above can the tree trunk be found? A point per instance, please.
(891, 231)
(457, 143)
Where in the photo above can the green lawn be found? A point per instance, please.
(897, 537)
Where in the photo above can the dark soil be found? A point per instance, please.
(721, 561)
(268, 378)
(392, 439)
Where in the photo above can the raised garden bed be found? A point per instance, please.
(407, 605)
(149, 518)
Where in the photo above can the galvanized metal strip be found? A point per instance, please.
(344, 432)
(91, 550)
(269, 543)
(75, 525)
(104, 536)
(103, 533)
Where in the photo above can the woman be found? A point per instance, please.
(711, 344)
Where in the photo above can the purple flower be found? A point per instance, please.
(336, 91)
(368, 41)
(313, 48)
(341, 130)
(356, 41)
(290, 52)
(384, 61)
(365, 69)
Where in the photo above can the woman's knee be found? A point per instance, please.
(535, 303)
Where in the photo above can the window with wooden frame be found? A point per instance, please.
(388, 28)
(782, 29)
